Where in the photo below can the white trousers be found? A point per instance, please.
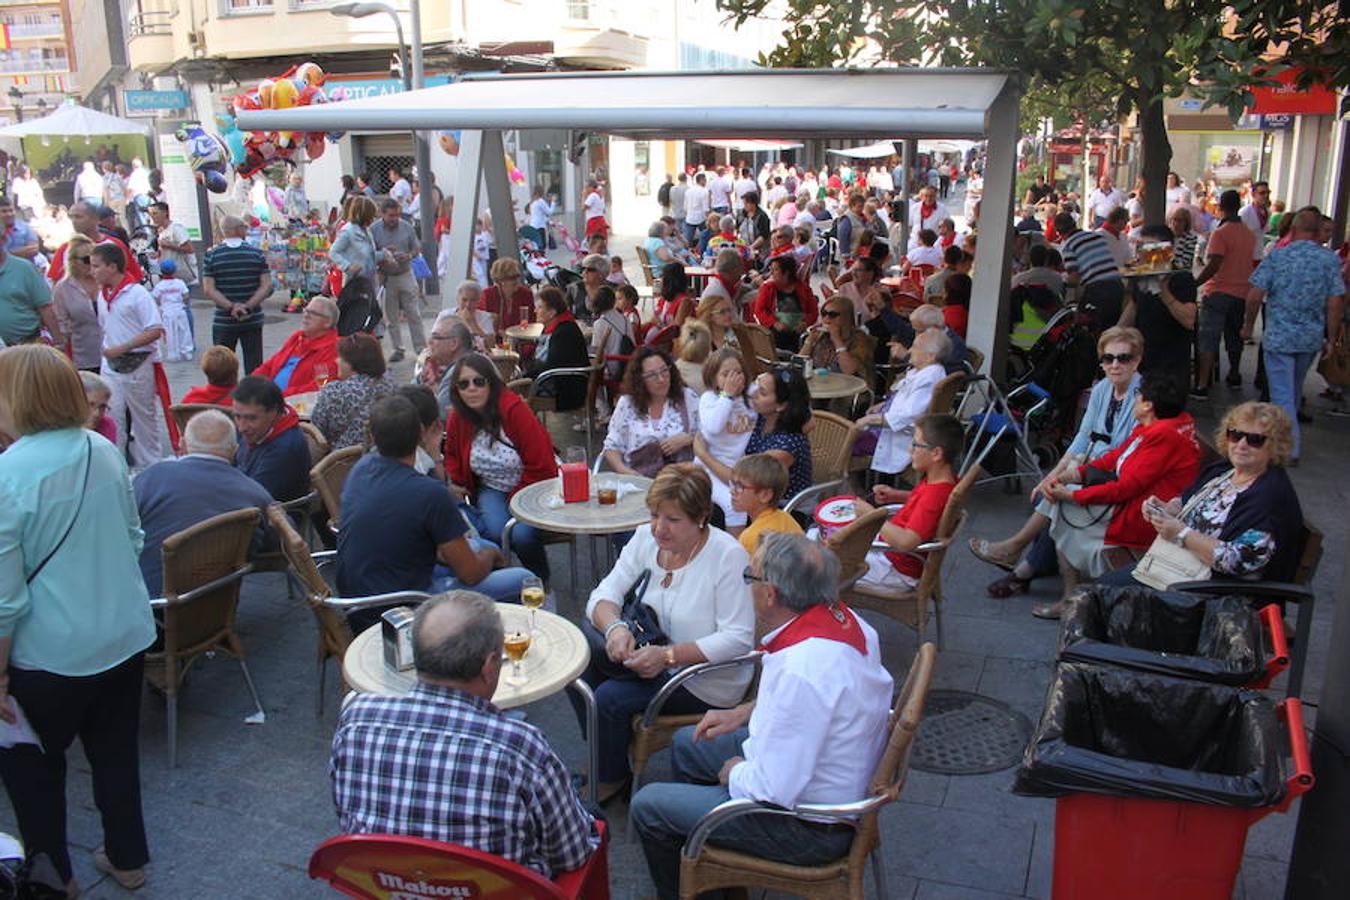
(135, 392)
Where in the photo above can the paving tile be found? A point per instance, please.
(939, 890)
(992, 795)
(1261, 879)
(1021, 683)
(958, 847)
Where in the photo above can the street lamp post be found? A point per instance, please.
(413, 78)
(16, 101)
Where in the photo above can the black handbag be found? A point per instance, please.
(641, 620)
(358, 309)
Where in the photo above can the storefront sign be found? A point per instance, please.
(180, 184)
(1316, 100)
(360, 88)
(1277, 122)
(143, 100)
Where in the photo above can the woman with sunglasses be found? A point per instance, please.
(837, 344)
(1109, 420)
(494, 446)
(1241, 517)
(73, 300)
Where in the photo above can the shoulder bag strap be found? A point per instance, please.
(84, 485)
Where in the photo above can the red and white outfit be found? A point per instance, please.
(922, 216)
(595, 214)
(921, 514)
(124, 313)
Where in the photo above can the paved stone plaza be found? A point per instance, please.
(240, 815)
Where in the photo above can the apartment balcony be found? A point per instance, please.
(150, 40)
(45, 31)
(33, 66)
(603, 35)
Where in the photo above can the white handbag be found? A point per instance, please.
(1166, 564)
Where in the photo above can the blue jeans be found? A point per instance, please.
(1285, 373)
(690, 232)
(489, 516)
(617, 700)
(502, 585)
(665, 814)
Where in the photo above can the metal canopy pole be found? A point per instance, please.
(422, 150)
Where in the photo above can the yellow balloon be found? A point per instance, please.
(265, 88)
(284, 94)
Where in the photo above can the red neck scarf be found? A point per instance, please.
(948, 240)
(832, 622)
(730, 285)
(557, 320)
(925, 211)
(110, 294)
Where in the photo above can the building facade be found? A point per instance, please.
(36, 59)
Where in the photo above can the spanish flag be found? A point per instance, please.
(5, 42)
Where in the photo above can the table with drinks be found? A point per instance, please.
(530, 332)
(698, 277)
(543, 653)
(303, 404)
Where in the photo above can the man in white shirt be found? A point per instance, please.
(1255, 214)
(720, 190)
(927, 212)
(174, 243)
(399, 189)
(1102, 199)
(89, 185)
(131, 331)
(540, 210)
(744, 185)
(814, 734)
(697, 205)
(677, 197)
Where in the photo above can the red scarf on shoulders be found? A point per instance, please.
(110, 294)
(557, 320)
(833, 622)
(925, 211)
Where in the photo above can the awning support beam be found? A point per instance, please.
(988, 328)
(482, 165)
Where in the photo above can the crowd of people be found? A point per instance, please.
(704, 393)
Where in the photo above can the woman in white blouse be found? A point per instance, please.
(701, 603)
(655, 420)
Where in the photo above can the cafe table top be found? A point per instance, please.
(540, 505)
(835, 385)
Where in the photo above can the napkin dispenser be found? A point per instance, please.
(397, 627)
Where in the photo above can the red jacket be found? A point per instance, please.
(765, 306)
(210, 393)
(321, 350)
(1164, 462)
(521, 430)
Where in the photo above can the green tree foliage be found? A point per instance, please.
(1117, 56)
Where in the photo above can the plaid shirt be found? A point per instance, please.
(443, 764)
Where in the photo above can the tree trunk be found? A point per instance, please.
(1155, 159)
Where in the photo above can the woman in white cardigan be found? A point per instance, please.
(701, 602)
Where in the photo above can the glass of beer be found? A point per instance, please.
(321, 375)
(608, 492)
(532, 597)
(515, 644)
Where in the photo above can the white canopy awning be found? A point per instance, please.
(882, 149)
(748, 145)
(69, 120)
(770, 103)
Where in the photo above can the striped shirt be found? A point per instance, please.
(1089, 254)
(237, 271)
(443, 764)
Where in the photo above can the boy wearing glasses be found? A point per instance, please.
(937, 445)
(757, 484)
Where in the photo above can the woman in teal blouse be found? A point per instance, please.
(74, 614)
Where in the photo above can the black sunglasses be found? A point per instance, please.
(831, 314)
(477, 381)
(1255, 441)
(750, 577)
(1123, 358)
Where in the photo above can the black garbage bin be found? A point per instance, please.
(1157, 780)
(1211, 638)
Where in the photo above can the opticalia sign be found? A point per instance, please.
(360, 88)
(143, 100)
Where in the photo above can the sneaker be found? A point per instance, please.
(130, 879)
(396, 356)
(1199, 393)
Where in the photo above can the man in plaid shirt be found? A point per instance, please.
(444, 763)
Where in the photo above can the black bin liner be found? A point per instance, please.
(1200, 636)
(1135, 734)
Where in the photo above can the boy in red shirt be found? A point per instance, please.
(937, 446)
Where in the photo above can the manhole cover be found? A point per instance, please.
(967, 734)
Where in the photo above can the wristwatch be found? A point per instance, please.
(670, 657)
(1180, 539)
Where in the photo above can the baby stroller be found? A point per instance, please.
(538, 268)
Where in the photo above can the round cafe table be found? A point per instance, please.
(835, 385)
(529, 334)
(557, 656)
(540, 504)
(303, 404)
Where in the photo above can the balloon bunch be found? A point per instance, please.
(300, 85)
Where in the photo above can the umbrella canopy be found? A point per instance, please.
(883, 149)
(69, 120)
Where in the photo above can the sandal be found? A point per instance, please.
(1050, 610)
(1007, 586)
(980, 548)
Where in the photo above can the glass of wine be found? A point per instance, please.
(515, 644)
(532, 597)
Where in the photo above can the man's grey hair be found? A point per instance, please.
(230, 225)
(93, 384)
(657, 229)
(804, 572)
(727, 223)
(211, 431)
(597, 262)
(469, 284)
(326, 305)
(458, 653)
(935, 341)
(926, 317)
(728, 261)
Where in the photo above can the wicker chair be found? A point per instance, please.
(704, 867)
(942, 401)
(645, 261)
(853, 542)
(330, 475)
(318, 444)
(204, 566)
(765, 350)
(653, 732)
(183, 412)
(831, 439)
(334, 634)
(910, 607)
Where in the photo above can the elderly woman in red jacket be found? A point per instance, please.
(308, 359)
(494, 446)
(1099, 505)
(785, 304)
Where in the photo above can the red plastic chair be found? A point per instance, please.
(393, 867)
